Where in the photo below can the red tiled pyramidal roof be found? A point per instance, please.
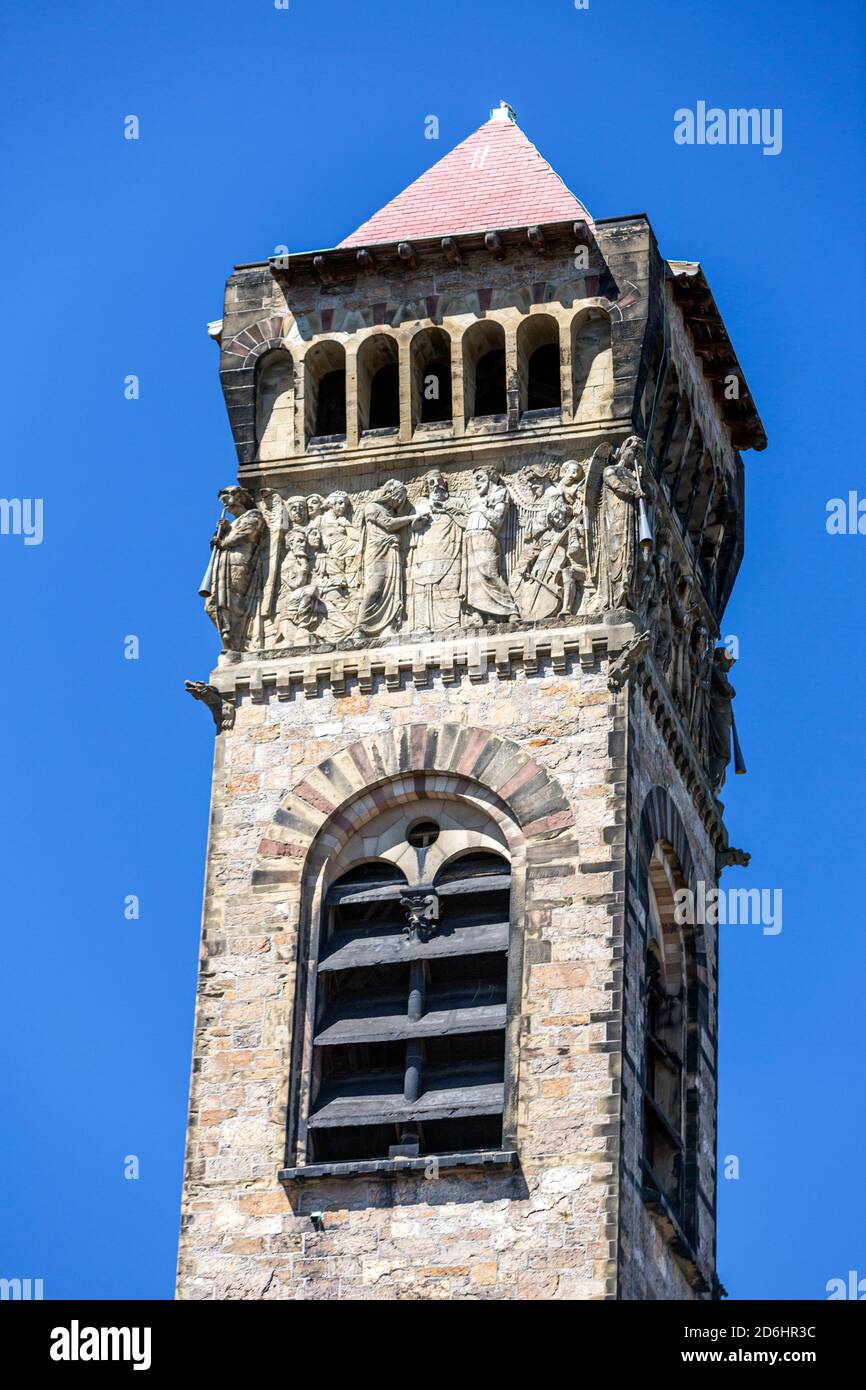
(495, 178)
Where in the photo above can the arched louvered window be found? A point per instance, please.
(665, 1037)
(409, 1000)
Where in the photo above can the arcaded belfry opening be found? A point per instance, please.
(431, 377)
(484, 391)
(592, 365)
(700, 498)
(664, 422)
(677, 434)
(275, 404)
(688, 471)
(325, 392)
(378, 384)
(538, 361)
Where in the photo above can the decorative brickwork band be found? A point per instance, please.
(534, 798)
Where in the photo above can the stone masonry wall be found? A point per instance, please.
(547, 1231)
(649, 1268)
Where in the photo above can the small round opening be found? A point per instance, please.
(423, 834)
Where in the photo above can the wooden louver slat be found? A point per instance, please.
(436, 1023)
(390, 950)
(456, 1103)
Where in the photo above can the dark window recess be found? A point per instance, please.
(409, 1042)
(423, 834)
(436, 392)
(331, 404)
(490, 396)
(385, 398)
(663, 1067)
(543, 387)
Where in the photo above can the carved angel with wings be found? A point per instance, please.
(613, 487)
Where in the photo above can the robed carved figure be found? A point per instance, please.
(382, 599)
(485, 591)
(434, 557)
(229, 588)
(613, 489)
(721, 718)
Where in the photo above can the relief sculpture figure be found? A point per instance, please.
(337, 566)
(382, 598)
(434, 557)
(701, 657)
(659, 616)
(721, 718)
(482, 584)
(299, 607)
(612, 524)
(552, 566)
(684, 614)
(230, 587)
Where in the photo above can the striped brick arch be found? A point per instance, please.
(238, 363)
(473, 762)
(660, 820)
(259, 338)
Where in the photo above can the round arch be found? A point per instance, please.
(483, 763)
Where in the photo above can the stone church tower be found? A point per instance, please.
(454, 1039)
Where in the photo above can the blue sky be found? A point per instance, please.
(261, 127)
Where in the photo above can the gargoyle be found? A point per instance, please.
(624, 666)
(222, 707)
(728, 857)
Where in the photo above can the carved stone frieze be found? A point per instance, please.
(547, 544)
(292, 571)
